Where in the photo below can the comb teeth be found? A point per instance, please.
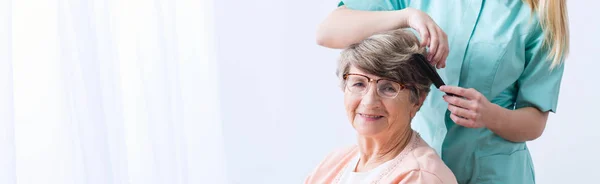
(428, 70)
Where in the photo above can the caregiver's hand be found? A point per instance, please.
(431, 35)
(470, 111)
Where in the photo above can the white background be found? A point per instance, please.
(283, 112)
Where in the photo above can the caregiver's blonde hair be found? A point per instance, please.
(554, 21)
(388, 55)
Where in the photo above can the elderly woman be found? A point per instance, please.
(383, 90)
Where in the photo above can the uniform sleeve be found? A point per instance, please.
(375, 5)
(539, 84)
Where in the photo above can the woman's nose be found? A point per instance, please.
(371, 97)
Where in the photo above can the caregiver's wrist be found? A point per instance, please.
(495, 116)
(402, 16)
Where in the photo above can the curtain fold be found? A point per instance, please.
(7, 127)
(109, 91)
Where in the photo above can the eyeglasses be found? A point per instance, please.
(359, 84)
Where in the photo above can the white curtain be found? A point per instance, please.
(109, 91)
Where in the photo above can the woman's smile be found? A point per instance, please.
(369, 117)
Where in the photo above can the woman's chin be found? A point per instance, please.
(369, 128)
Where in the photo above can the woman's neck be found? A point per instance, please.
(380, 149)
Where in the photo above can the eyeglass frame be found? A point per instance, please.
(369, 80)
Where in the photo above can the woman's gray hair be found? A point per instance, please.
(388, 55)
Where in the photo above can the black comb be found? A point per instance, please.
(429, 71)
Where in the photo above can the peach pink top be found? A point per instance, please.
(417, 163)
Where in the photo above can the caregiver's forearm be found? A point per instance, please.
(344, 26)
(520, 125)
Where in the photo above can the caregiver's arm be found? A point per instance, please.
(476, 111)
(344, 26)
(519, 125)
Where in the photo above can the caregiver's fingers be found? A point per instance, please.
(463, 122)
(433, 47)
(424, 33)
(460, 102)
(464, 113)
(443, 61)
(445, 47)
(439, 46)
(470, 93)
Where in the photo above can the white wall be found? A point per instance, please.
(283, 112)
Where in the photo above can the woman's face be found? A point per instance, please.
(373, 115)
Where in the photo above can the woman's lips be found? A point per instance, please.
(370, 117)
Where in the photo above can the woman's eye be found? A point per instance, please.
(389, 89)
(358, 84)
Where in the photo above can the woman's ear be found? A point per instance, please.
(419, 103)
(422, 98)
